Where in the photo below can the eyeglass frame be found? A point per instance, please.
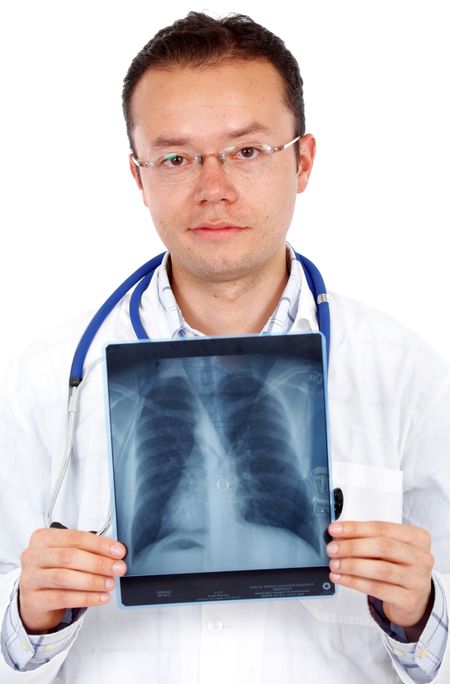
(221, 156)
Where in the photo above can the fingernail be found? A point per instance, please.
(335, 528)
(334, 577)
(117, 550)
(104, 598)
(119, 568)
(332, 548)
(109, 583)
(334, 564)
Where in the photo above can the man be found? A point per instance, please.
(199, 88)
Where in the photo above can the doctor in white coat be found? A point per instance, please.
(224, 219)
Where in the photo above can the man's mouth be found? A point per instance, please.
(217, 229)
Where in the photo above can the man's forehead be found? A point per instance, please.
(229, 100)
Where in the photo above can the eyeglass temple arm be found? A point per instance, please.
(138, 163)
(284, 147)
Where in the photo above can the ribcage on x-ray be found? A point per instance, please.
(176, 478)
(164, 440)
(270, 488)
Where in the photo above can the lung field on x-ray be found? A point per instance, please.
(271, 490)
(221, 462)
(164, 444)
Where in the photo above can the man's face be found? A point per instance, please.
(206, 107)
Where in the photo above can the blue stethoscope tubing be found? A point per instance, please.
(143, 276)
(141, 279)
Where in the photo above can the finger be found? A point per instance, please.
(380, 548)
(62, 578)
(389, 573)
(390, 593)
(402, 606)
(74, 559)
(53, 599)
(408, 534)
(104, 546)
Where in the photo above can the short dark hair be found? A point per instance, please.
(200, 41)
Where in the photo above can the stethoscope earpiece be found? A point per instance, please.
(338, 496)
(60, 526)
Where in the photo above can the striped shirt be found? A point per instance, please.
(420, 660)
(280, 321)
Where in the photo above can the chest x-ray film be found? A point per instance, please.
(220, 467)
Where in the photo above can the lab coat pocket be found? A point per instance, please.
(370, 493)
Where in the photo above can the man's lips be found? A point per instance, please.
(217, 226)
(217, 230)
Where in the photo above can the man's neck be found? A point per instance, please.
(238, 307)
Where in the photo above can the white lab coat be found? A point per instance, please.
(389, 408)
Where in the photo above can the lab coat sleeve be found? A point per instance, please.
(426, 469)
(23, 651)
(436, 665)
(421, 660)
(24, 483)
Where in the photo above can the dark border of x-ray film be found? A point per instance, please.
(186, 588)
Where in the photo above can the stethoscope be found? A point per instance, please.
(141, 279)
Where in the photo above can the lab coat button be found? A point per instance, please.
(215, 626)
(423, 653)
(398, 652)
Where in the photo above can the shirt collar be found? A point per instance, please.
(285, 318)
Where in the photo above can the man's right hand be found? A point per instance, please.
(66, 569)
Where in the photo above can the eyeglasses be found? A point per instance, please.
(244, 159)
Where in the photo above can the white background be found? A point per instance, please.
(375, 217)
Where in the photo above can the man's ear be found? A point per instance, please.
(306, 160)
(135, 171)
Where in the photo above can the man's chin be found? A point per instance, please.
(213, 265)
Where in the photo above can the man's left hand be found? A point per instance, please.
(389, 561)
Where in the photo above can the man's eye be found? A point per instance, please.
(248, 152)
(173, 161)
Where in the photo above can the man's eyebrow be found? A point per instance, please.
(163, 142)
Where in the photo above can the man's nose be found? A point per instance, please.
(213, 183)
